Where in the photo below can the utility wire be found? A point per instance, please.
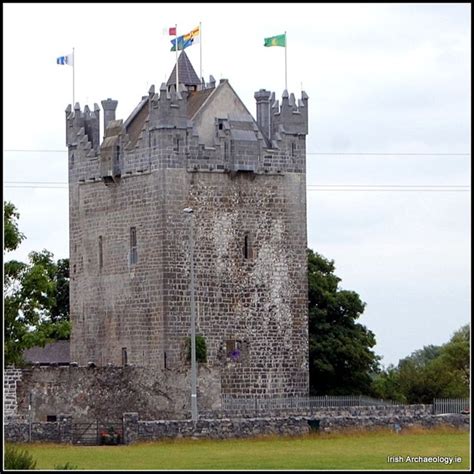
(308, 153)
(310, 188)
(308, 185)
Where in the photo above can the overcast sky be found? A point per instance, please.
(385, 79)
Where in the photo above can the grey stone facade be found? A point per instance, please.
(10, 379)
(197, 147)
(105, 393)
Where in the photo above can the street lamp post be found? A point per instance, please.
(194, 413)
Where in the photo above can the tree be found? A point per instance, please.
(36, 308)
(12, 236)
(340, 357)
(431, 372)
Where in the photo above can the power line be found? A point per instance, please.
(11, 150)
(389, 185)
(308, 185)
(389, 154)
(36, 151)
(310, 188)
(393, 190)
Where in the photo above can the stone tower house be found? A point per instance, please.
(196, 147)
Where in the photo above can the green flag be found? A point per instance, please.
(278, 40)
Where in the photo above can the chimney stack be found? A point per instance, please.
(263, 111)
(109, 107)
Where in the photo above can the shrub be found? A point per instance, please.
(201, 349)
(18, 459)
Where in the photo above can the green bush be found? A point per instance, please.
(18, 459)
(201, 349)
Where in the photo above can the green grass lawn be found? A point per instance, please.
(318, 451)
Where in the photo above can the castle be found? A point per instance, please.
(196, 146)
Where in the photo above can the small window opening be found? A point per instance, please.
(247, 250)
(124, 356)
(133, 245)
(293, 149)
(164, 358)
(233, 349)
(221, 125)
(51, 418)
(177, 144)
(101, 257)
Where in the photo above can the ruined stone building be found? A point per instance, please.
(193, 147)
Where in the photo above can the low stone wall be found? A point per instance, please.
(221, 428)
(324, 412)
(395, 422)
(136, 430)
(21, 431)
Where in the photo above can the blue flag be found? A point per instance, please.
(68, 59)
(186, 40)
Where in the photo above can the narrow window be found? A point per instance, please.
(247, 250)
(226, 150)
(164, 358)
(124, 356)
(293, 149)
(101, 257)
(177, 145)
(133, 245)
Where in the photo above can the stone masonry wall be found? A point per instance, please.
(10, 380)
(117, 307)
(289, 426)
(141, 430)
(144, 308)
(105, 393)
(259, 300)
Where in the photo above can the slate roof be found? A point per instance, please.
(53, 353)
(187, 74)
(196, 99)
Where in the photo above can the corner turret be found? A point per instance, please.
(109, 107)
(290, 118)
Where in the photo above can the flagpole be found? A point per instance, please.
(200, 52)
(73, 85)
(176, 47)
(286, 82)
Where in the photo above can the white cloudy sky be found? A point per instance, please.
(385, 79)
